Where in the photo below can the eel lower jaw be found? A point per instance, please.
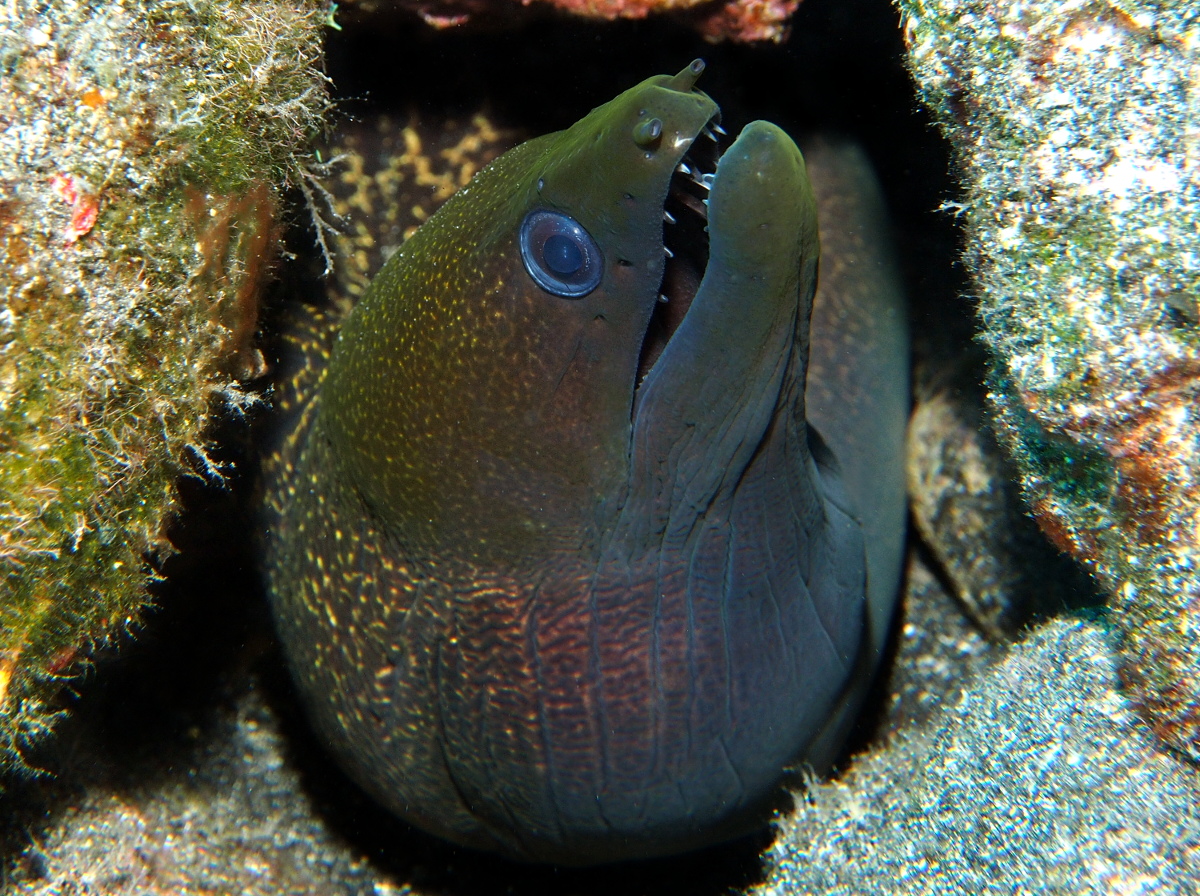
(685, 241)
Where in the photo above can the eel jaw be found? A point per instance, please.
(685, 239)
(755, 289)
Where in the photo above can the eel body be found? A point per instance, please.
(572, 573)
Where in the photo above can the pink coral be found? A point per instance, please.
(85, 204)
(744, 21)
(748, 20)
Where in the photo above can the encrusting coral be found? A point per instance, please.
(1076, 128)
(744, 21)
(143, 153)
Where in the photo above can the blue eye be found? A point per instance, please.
(560, 255)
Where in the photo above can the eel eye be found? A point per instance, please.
(560, 255)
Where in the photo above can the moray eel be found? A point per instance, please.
(571, 573)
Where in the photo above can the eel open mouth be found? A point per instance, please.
(685, 240)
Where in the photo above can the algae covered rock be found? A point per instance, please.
(1076, 127)
(143, 153)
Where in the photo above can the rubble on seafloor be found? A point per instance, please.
(142, 157)
(967, 507)
(1076, 130)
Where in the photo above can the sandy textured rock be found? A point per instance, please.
(1036, 779)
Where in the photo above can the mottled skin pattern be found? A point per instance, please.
(537, 608)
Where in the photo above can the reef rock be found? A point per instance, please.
(1035, 778)
(1076, 128)
(142, 157)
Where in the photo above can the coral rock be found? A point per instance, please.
(1075, 124)
(141, 162)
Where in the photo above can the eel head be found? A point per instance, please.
(493, 391)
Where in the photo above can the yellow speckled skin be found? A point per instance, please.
(538, 609)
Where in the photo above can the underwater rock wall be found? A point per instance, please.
(142, 157)
(1077, 126)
